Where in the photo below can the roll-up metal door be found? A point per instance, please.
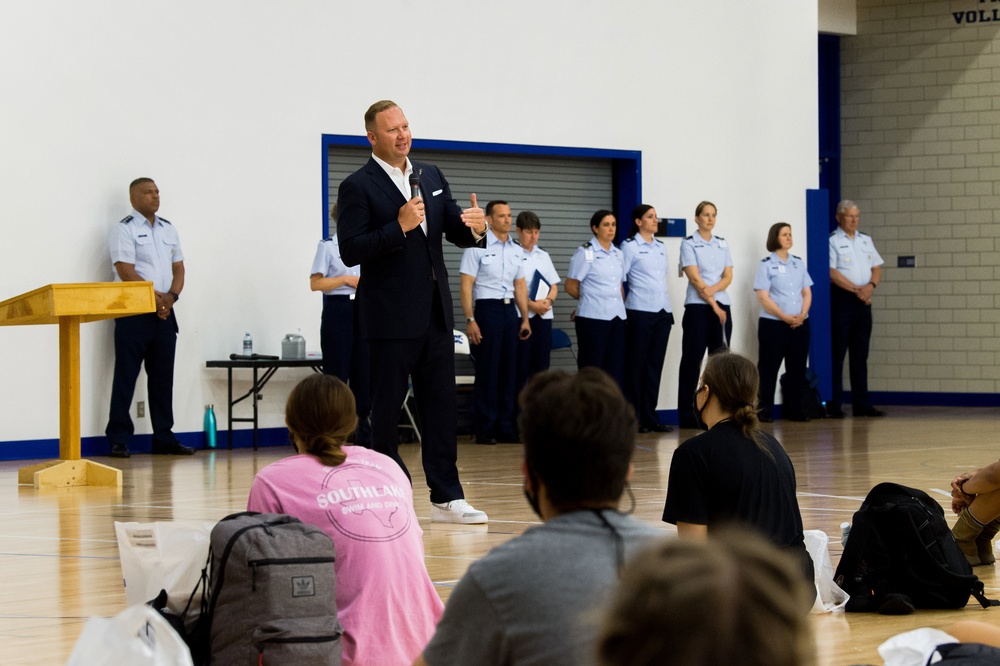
(563, 191)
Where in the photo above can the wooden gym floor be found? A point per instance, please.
(59, 558)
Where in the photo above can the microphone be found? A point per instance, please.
(414, 185)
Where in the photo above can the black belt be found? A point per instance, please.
(505, 301)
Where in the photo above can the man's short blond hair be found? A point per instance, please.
(374, 110)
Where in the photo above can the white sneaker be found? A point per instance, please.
(457, 511)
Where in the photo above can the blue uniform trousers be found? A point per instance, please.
(345, 356)
(495, 390)
(777, 342)
(701, 332)
(535, 353)
(646, 337)
(851, 321)
(143, 339)
(602, 344)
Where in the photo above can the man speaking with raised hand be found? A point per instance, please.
(405, 303)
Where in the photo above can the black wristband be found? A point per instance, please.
(174, 294)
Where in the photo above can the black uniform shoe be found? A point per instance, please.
(119, 451)
(509, 438)
(869, 411)
(643, 429)
(661, 427)
(834, 413)
(175, 448)
(490, 441)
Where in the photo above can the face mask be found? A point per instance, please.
(698, 412)
(532, 497)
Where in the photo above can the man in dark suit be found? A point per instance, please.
(404, 299)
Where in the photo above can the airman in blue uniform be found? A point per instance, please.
(345, 354)
(494, 297)
(650, 318)
(596, 273)
(784, 292)
(707, 324)
(855, 272)
(146, 247)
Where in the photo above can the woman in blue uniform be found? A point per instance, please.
(647, 327)
(708, 265)
(596, 273)
(345, 354)
(784, 292)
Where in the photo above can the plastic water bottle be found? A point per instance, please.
(210, 427)
(247, 344)
(845, 531)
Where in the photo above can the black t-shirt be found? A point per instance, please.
(722, 477)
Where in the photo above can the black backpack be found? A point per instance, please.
(271, 594)
(901, 555)
(808, 404)
(965, 654)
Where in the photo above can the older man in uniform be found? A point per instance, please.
(493, 278)
(855, 272)
(146, 248)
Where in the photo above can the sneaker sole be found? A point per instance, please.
(459, 520)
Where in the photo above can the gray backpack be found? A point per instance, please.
(271, 595)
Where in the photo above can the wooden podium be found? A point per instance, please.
(69, 305)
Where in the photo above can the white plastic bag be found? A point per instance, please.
(164, 556)
(913, 648)
(138, 636)
(829, 597)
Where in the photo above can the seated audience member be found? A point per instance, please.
(735, 472)
(975, 497)
(733, 599)
(385, 600)
(536, 599)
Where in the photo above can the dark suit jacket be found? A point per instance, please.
(398, 271)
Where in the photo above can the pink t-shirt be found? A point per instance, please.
(386, 602)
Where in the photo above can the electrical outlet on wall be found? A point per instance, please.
(140, 409)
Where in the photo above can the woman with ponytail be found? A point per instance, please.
(736, 473)
(364, 502)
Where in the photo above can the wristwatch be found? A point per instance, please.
(469, 320)
(175, 295)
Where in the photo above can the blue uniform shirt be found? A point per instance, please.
(711, 257)
(784, 282)
(329, 264)
(646, 271)
(601, 273)
(538, 262)
(495, 267)
(854, 258)
(152, 249)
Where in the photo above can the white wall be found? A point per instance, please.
(223, 104)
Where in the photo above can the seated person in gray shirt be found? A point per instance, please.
(537, 598)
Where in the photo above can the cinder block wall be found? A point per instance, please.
(920, 104)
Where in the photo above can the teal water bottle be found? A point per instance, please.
(210, 426)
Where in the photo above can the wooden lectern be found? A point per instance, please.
(69, 305)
